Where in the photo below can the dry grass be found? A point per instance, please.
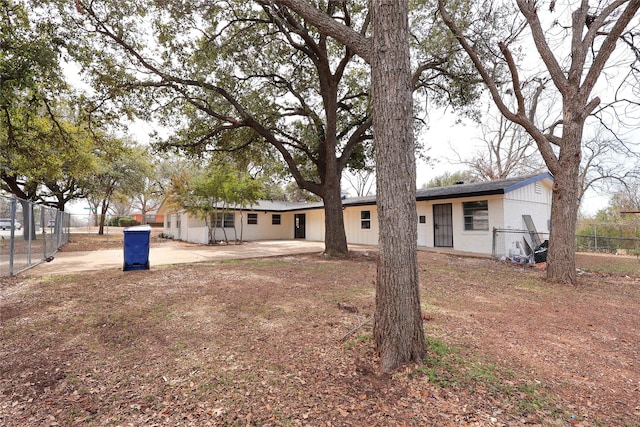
(258, 343)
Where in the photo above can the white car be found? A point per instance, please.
(5, 224)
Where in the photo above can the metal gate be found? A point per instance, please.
(443, 225)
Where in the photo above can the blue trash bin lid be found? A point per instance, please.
(138, 228)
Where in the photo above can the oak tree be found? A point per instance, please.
(236, 75)
(239, 76)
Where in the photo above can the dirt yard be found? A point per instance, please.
(266, 343)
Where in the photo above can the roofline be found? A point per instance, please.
(461, 195)
(372, 202)
(282, 210)
(528, 181)
(493, 192)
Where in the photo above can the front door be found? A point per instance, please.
(299, 231)
(443, 225)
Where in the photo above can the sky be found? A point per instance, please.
(444, 133)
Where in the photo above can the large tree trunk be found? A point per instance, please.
(335, 238)
(561, 259)
(398, 329)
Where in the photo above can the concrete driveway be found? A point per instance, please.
(172, 252)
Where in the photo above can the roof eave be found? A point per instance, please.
(461, 195)
(529, 181)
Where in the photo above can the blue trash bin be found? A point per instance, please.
(136, 247)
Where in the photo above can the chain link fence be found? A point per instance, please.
(522, 246)
(519, 246)
(610, 245)
(619, 238)
(29, 234)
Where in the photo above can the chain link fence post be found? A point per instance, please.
(30, 233)
(12, 240)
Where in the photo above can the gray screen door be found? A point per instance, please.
(443, 225)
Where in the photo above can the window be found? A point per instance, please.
(226, 220)
(275, 219)
(476, 215)
(252, 218)
(422, 219)
(365, 220)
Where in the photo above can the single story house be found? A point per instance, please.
(461, 217)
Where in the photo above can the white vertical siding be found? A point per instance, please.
(353, 225)
(425, 231)
(528, 201)
(314, 224)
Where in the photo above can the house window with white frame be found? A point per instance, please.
(365, 220)
(476, 215)
(276, 219)
(252, 219)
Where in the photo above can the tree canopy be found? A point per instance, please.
(255, 78)
(29, 83)
(46, 147)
